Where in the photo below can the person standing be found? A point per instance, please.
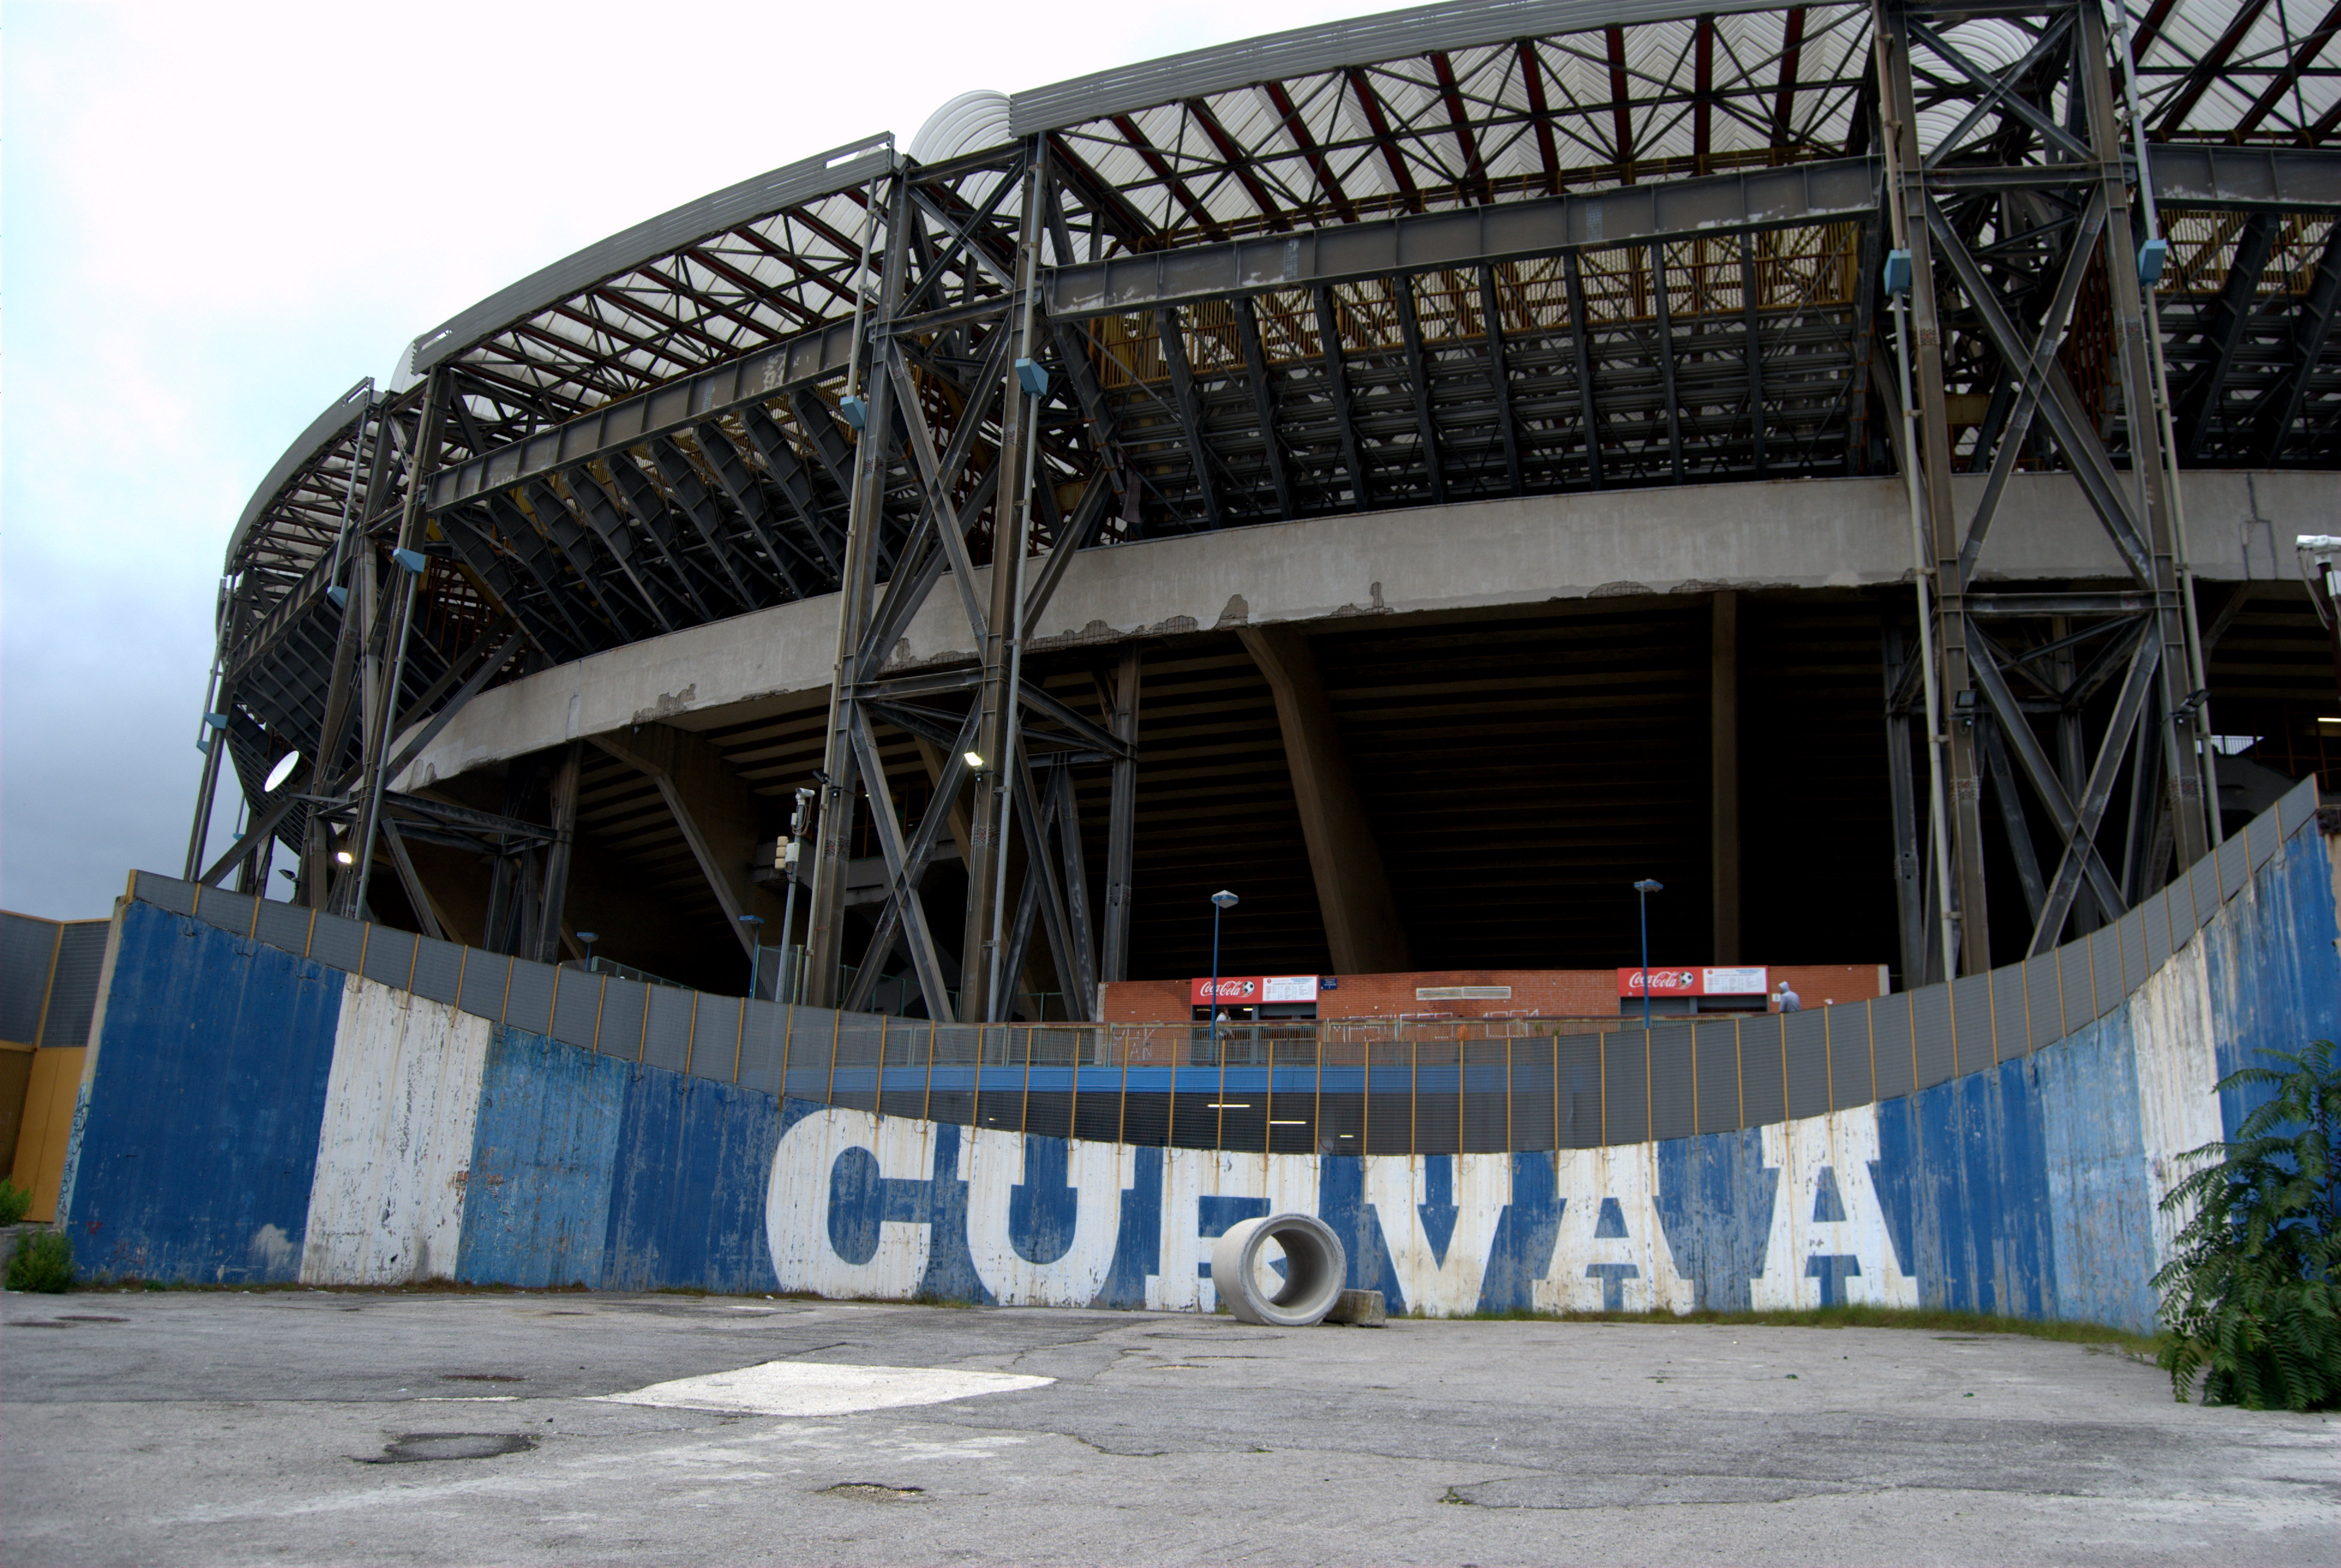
(1785, 1000)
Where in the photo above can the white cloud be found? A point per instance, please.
(218, 216)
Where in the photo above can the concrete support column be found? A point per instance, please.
(1723, 775)
(718, 813)
(567, 774)
(1361, 924)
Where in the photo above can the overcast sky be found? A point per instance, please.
(216, 217)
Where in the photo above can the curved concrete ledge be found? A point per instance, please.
(1788, 533)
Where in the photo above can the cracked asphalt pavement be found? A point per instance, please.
(340, 1427)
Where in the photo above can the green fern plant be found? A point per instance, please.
(2252, 1296)
(14, 1201)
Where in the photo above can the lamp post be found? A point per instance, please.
(1645, 887)
(1222, 899)
(589, 939)
(755, 924)
(788, 858)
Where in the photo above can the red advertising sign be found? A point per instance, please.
(1244, 990)
(1732, 982)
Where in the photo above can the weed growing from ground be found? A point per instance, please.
(41, 1262)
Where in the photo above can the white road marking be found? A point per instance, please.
(820, 1388)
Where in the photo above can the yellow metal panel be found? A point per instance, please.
(40, 1163)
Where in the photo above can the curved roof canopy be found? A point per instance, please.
(1440, 106)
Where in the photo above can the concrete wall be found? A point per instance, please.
(248, 1114)
(1784, 533)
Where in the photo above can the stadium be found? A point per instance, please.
(722, 735)
(1453, 464)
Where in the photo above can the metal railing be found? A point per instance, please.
(1375, 1087)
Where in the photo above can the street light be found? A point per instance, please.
(1645, 888)
(1222, 899)
(788, 854)
(589, 939)
(755, 924)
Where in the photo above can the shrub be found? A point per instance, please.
(2252, 1296)
(14, 1201)
(42, 1261)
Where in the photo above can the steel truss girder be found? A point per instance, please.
(938, 353)
(2080, 167)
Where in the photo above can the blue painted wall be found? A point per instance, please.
(544, 1152)
(196, 1136)
(686, 1206)
(2275, 984)
(2021, 1188)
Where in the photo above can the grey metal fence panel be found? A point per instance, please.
(1579, 1075)
(1890, 1059)
(1716, 1047)
(438, 969)
(812, 1042)
(715, 1038)
(337, 942)
(2264, 840)
(2299, 804)
(902, 1081)
(1763, 1090)
(28, 947)
(667, 1037)
(2156, 923)
(528, 1000)
(1534, 1124)
(1674, 1109)
(577, 1008)
(1971, 1022)
(390, 955)
(1626, 1086)
(2074, 970)
(73, 990)
(228, 911)
(624, 1005)
(763, 1046)
(951, 1093)
(285, 926)
(1435, 1107)
(485, 974)
(1806, 1047)
(2106, 969)
(855, 1080)
(1852, 1074)
(2044, 980)
(2234, 859)
(2130, 933)
(1487, 1110)
(165, 893)
(1930, 1035)
(2011, 1013)
(2203, 889)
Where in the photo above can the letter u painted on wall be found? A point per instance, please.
(891, 1209)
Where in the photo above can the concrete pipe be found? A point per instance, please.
(1315, 1267)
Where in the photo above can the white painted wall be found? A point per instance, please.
(401, 1100)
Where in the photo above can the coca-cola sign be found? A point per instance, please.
(1244, 990)
(1707, 982)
